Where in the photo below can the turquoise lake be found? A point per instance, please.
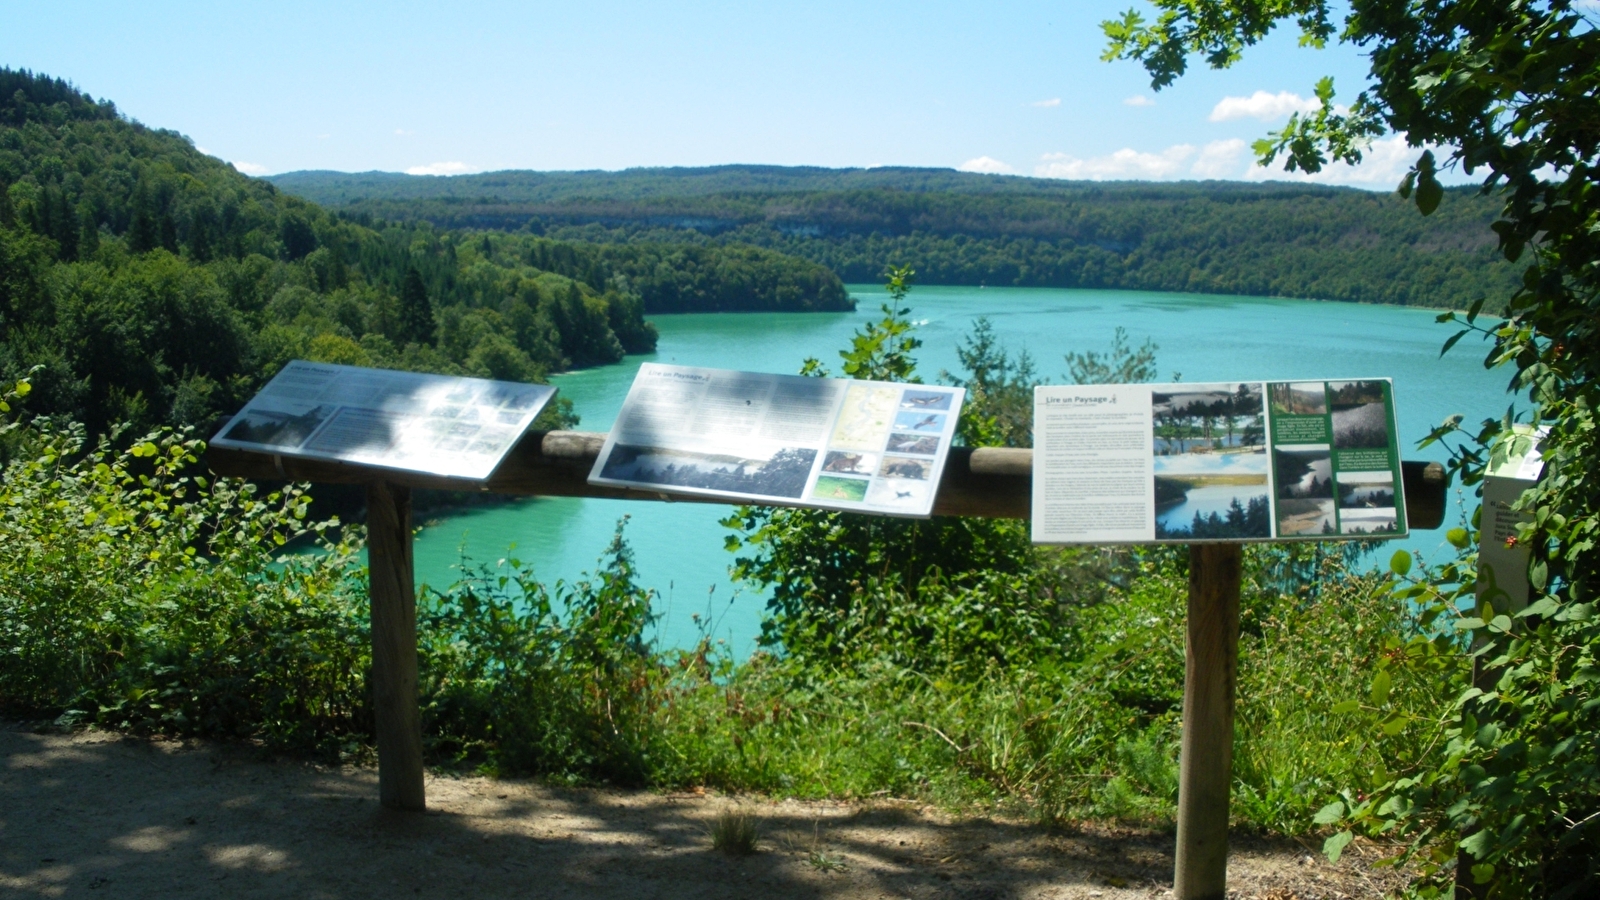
(1201, 501)
(679, 547)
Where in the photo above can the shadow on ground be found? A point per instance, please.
(97, 815)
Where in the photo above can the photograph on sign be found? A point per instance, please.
(1210, 463)
(1231, 461)
(407, 421)
(865, 446)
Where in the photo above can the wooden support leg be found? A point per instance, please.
(1205, 772)
(394, 647)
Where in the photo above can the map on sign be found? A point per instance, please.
(866, 446)
(1235, 461)
(435, 424)
(865, 416)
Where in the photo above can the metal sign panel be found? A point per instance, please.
(1233, 461)
(863, 446)
(434, 424)
(1514, 466)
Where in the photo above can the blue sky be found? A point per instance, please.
(445, 88)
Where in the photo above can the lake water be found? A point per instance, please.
(679, 547)
(1206, 501)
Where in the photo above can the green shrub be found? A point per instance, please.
(134, 594)
(528, 680)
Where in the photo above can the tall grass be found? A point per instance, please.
(1092, 734)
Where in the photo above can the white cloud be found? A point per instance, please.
(202, 149)
(1262, 105)
(1222, 159)
(441, 168)
(1139, 100)
(249, 168)
(403, 133)
(1126, 163)
(1382, 166)
(986, 165)
(1053, 101)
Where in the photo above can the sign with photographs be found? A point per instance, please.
(435, 424)
(865, 446)
(1236, 461)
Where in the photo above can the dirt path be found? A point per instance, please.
(97, 815)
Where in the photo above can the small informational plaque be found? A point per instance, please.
(865, 446)
(1514, 466)
(1235, 461)
(435, 424)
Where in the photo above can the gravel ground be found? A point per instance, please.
(92, 814)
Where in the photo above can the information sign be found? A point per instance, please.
(867, 446)
(435, 424)
(1235, 461)
(1514, 466)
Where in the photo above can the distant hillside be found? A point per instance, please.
(155, 284)
(341, 188)
(961, 228)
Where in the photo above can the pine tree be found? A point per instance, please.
(416, 312)
(338, 271)
(199, 246)
(66, 227)
(142, 234)
(89, 241)
(298, 237)
(169, 233)
(40, 220)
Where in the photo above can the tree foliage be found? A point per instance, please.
(831, 573)
(1508, 92)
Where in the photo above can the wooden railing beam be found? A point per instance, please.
(987, 482)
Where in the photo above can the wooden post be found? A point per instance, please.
(1205, 773)
(394, 646)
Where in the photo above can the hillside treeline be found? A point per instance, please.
(156, 284)
(955, 228)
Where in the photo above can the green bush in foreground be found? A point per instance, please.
(135, 594)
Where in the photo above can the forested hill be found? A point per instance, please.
(156, 284)
(961, 228)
